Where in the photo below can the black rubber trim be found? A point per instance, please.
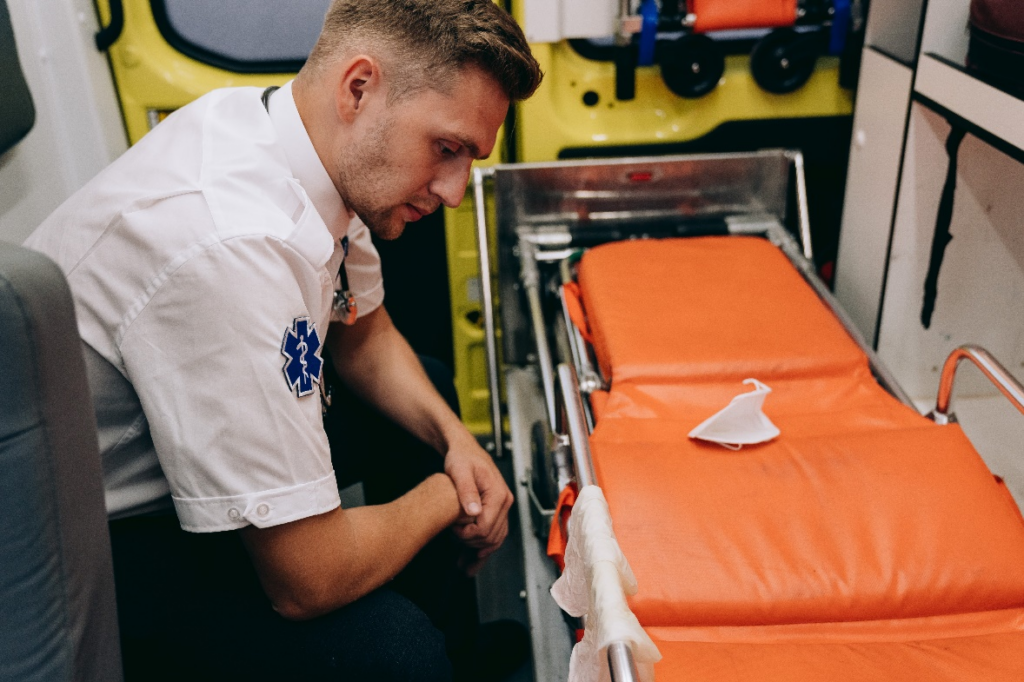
(974, 129)
(824, 140)
(606, 53)
(594, 234)
(109, 34)
(201, 54)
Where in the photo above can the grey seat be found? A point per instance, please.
(58, 618)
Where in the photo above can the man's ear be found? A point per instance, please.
(359, 83)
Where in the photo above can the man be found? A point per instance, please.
(212, 265)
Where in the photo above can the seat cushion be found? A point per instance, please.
(713, 308)
(894, 523)
(982, 647)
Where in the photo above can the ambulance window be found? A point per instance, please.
(247, 36)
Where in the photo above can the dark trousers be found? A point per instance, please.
(191, 607)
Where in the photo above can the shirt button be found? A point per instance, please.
(263, 510)
(234, 514)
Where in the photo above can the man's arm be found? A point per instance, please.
(376, 362)
(315, 565)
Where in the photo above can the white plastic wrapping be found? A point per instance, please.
(595, 583)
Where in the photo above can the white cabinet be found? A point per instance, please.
(897, 172)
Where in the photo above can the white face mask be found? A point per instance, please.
(741, 422)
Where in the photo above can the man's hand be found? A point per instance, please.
(483, 496)
(381, 368)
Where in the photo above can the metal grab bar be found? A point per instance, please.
(490, 335)
(621, 663)
(989, 366)
(803, 210)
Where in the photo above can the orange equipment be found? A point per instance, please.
(714, 15)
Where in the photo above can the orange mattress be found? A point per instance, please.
(878, 525)
(667, 310)
(981, 647)
(854, 546)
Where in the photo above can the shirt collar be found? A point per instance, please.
(305, 163)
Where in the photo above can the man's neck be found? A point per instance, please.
(318, 119)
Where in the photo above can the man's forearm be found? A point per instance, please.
(377, 363)
(315, 565)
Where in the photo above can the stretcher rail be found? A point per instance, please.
(989, 366)
(621, 663)
(782, 239)
(589, 378)
(576, 425)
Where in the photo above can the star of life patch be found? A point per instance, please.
(301, 345)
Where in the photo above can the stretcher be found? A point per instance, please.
(864, 542)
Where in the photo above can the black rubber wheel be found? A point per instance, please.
(784, 60)
(691, 66)
(544, 484)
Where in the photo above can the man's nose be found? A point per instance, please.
(450, 184)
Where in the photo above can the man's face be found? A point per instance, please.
(414, 155)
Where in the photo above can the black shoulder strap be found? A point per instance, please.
(942, 236)
(265, 97)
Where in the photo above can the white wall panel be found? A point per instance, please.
(875, 150)
(78, 128)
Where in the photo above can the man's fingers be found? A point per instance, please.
(496, 499)
(481, 558)
(473, 536)
(466, 488)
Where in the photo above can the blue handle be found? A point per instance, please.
(648, 32)
(841, 20)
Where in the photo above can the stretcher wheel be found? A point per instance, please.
(783, 60)
(545, 487)
(691, 66)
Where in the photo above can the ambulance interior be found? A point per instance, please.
(758, 410)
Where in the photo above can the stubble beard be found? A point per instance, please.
(364, 174)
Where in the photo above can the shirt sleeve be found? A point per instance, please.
(225, 358)
(362, 265)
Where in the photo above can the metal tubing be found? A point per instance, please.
(490, 334)
(802, 210)
(589, 380)
(621, 663)
(579, 437)
(530, 277)
(989, 366)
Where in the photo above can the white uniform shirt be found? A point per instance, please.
(203, 264)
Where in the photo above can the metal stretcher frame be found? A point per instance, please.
(564, 225)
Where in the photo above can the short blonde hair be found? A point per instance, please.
(421, 42)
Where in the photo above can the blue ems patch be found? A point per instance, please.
(301, 345)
